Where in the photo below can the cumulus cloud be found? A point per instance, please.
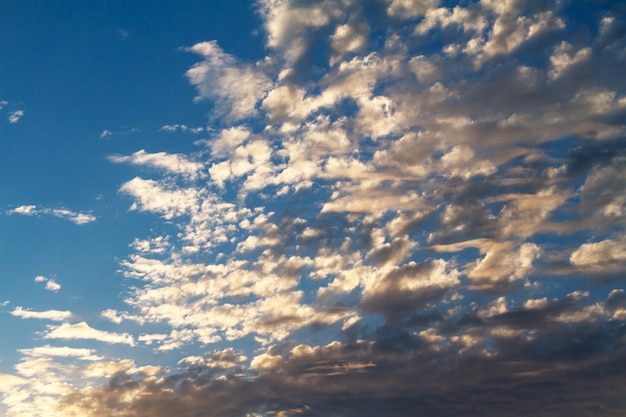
(604, 256)
(400, 188)
(51, 284)
(236, 88)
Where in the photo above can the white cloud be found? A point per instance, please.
(171, 163)
(26, 210)
(74, 217)
(54, 315)
(158, 197)
(236, 88)
(105, 134)
(182, 128)
(62, 351)
(15, 116)
(52, 285)
(228, 140)
(503, 264)
(83, 331)
(605, 255)
(288, 24)
(348, 38)
(8, 381)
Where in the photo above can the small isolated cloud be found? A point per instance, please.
(15, 116)
(105, 134)
(74, 217)
(83, 331)
(181, 128)
(51, 284)
(54, 315)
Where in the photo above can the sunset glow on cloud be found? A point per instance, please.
(313, 208)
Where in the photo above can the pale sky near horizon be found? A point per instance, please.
(312, 208)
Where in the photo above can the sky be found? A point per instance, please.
(332, 208)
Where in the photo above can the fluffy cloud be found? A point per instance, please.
(235, 88)
(398, 189)
(604, 256)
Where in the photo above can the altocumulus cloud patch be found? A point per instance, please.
(397, 208)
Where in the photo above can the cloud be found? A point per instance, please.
(83, 331)
(411, 8)
(61, 351)
(105, 134)
(604, 256)
(15, 116)
(235, 88)
(51, 284)
(8, 381)
(399, 189)
(74, 217)
(174, 164)
(181, 127)
(158, 197)
(54, 315)
(291, 26)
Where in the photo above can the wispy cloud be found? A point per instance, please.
(83, 331)
(74, 217)
(54, 315)
(174, 164)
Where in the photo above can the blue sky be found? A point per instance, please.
(313, 208)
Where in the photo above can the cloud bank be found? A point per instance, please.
(411, 209)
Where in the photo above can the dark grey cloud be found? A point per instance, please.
(565, 371)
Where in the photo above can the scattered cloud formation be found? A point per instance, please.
(14, 116)
(407, 207)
